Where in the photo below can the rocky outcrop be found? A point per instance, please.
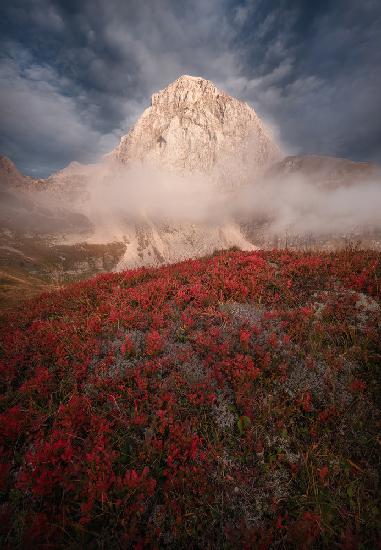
(10, 177)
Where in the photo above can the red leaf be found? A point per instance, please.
(323, 472)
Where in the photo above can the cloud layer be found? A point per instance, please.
(75, 75)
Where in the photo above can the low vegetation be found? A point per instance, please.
(29, 266)
(225, 402)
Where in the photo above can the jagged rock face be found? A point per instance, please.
(193, 126)
(10, 177)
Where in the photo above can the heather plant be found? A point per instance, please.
(224, 402)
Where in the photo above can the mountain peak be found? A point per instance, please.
(189, 78)
(10, 175)
(186, 89)
(6, 164)
(191, 82)
(191, 125)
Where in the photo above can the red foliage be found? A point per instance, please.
(306, 402)
(127, 348)
(358, 385)
(154, 343)
(305, 530)
(323, 472)
(112, 390)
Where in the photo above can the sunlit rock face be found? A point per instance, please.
(193, 126)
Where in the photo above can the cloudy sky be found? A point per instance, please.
(74, 75)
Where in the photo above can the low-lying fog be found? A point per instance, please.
(113, 196)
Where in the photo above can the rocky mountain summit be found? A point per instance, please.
(193, 126)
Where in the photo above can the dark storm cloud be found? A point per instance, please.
(75, 75)
(314, 69)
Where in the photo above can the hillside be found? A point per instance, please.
(31, 265)
(224, 402)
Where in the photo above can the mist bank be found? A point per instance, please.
(102, 202)
(295, 204)
(282, 203)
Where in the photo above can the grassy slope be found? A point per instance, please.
(226, 402)
(29, 266)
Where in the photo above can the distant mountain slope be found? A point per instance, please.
(325, 171)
